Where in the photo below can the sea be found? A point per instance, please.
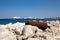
(11, 20)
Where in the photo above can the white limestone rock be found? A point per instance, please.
(16, 27)
(58, 21)
(18, 37)
(43, 36)
(33, 39)
(54, 23)
(56, 38)
(19, 31)
(28, 31)
(6, 35)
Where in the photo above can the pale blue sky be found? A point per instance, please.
(24, 8)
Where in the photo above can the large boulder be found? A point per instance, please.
(27, 31)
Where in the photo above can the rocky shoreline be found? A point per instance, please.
(20, 31)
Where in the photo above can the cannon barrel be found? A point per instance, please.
(40, 25)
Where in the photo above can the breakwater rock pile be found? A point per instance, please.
(20, 31)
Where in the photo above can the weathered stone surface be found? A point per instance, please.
(33, 39)
(20, 31)
(27, 31)
(16, 28)
(42, 35)
(18, 37)
(54, 23)
(56, 38)
(6, 35)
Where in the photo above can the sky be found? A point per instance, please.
(29, 8)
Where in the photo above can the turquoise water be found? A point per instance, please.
(6, 21)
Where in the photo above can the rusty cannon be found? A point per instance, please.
(40, 25)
